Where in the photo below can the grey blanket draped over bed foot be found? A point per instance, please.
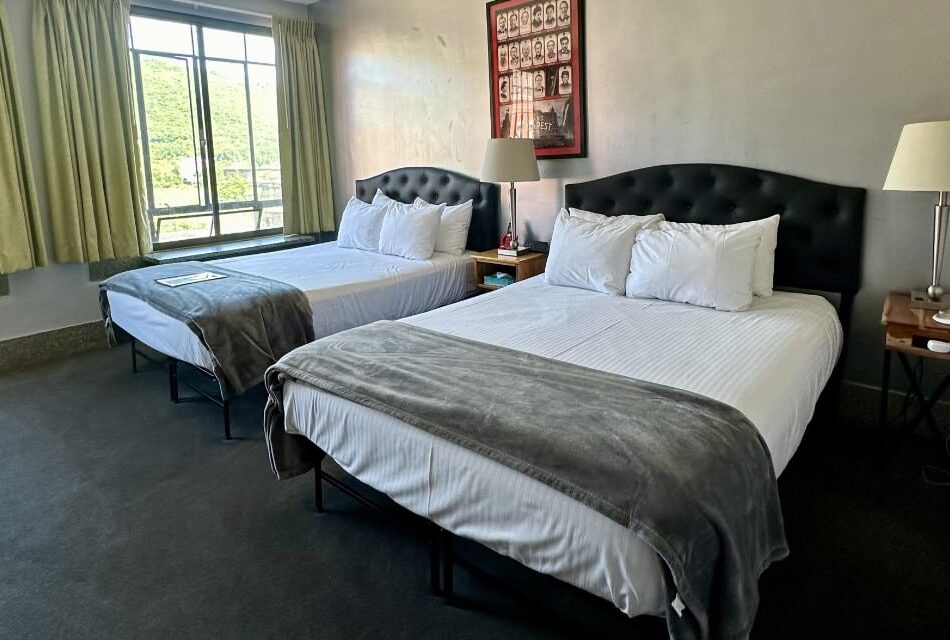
(246, 322)
(689, 475)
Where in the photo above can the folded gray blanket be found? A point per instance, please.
(246, 322)
(689, 475)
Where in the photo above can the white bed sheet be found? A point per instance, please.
(770, 362)
(346, 288)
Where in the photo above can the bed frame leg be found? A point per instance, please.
(318, 489)
(435, 569)
(448, 588)
(226, 409)
(135, 362)
(173, 380)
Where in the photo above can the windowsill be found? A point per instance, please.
(228, 249)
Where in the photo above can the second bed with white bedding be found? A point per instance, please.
(770, 362)
(346, 288)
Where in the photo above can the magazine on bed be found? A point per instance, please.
(179, 281)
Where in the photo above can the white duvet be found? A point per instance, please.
(770, 362)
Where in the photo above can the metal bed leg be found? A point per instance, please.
(318, 489)
(226, 408)
(447, 564)
(435, 549)
(135, 362)
(173, 380)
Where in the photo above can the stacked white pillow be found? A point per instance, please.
(360, 225)
(391, 227)
(763, 270)
(647, 221)
(590, 253)
(709, 266)
(409, 231)
(453, 228)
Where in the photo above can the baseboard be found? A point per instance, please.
(50, 345)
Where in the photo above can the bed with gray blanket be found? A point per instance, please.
(233, 328)
(627, 447)
(660, 461)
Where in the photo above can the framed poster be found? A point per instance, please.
(536, 69)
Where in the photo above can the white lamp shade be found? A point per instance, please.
(922, 158)
(510, 160)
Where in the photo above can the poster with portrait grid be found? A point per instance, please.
(536, 63)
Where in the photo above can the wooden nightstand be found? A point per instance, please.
(906, 332)
(522, 267)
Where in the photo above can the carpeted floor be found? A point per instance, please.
(125, 516)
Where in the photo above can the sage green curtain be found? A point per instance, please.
(301, 116)
(21, 236)
(93, 163)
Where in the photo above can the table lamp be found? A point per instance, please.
(922, 163)
(511, 160)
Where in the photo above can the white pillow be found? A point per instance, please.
(649, 221)
(409, 231)
(764, 270)
(381, 198)
(453, 228)
(705, 267)
(360, 225)
(589, 255)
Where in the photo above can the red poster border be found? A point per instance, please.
(579, 80)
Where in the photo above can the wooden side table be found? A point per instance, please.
(906, 333)
(521, 268)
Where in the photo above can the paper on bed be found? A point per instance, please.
(246, 322)
(689, 475)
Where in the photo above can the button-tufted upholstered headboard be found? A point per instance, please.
(820, 233)
(440, 186)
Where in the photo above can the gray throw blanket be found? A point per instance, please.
(689, 475)
(246, 322)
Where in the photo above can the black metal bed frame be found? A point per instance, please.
(437, 538)
(175, 382)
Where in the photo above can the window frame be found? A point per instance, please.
(199, 84)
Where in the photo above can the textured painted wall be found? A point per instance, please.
(813, 88)
(62, 295)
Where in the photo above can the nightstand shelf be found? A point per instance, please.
(520, 268)
(906, 332)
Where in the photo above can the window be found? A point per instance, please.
(206, 96)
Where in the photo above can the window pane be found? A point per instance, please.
(161, 35)
(175, 228)
(223, 44)
(232, 150)
(260, 48)
(273, 217)
(171, 122)
(241, 124)
(263, 86)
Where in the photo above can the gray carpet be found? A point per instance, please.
(123, 515)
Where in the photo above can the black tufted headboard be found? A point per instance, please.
(820, 233)
(440, 186)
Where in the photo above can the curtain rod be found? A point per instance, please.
(218, 7)
(205, 5)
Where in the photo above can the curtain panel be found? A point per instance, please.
(90, 143)
(21, 234)
(301, 116)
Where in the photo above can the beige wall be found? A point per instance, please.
(62, 295)
(809, 87)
